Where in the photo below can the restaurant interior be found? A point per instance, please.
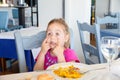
(24, 22)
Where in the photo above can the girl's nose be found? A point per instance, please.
(53, 37)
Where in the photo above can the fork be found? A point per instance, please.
(93, 70)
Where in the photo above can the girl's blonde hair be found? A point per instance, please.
(62, 22)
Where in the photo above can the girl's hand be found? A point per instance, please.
(40, 60)
(59, 49)
(45, 46)
(59, 52)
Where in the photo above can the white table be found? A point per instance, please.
(7, 42)
(91, 75)
(24, 31)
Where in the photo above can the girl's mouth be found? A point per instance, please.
(52, 44)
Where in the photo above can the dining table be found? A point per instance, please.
(8, 46)
(89, 72)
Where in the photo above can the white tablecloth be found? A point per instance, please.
(24, 31)
(94, 74)
(103, 74)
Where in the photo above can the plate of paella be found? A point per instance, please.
(68, 70)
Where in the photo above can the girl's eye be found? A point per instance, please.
(48, 34)
(57, 34)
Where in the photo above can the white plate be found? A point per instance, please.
(94, 74)
(82, 67)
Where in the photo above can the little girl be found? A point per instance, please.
(55, 47)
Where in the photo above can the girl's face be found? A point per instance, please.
(56, 35)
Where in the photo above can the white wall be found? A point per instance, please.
(115, 5)
(77, 10)
(48, 9)
(101, 7)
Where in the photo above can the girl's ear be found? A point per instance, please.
(67, 41)
(67, 38)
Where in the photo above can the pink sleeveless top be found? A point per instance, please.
(69, 54)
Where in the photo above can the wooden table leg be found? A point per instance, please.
(3, 64)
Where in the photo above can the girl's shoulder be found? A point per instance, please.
(70, 55)
(68, 50)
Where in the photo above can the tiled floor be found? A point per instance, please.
(12, 69)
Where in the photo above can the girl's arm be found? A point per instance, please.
(61, 58)
(40, 62)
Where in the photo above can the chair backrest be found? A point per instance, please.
(91, 53)
(71, 39)
(31, 42)
(15, 16)
(26, 43)
(15, 13)
(111, 22)
(3, 20)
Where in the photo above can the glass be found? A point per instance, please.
(109, 48)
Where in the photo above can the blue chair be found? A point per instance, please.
(15, 13)
(16, 19)
(110, 22)
(92, 54)
(15, 16)
(24, 43)
(27, 43)
(3, 21)
(71, 38)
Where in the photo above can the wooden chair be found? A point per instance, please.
(92, 54)
(15, 13)
(27, 43)
(16, 19)
(4, 22)
(31, 42)
(15, 16)
(71, 38)
(111, 22)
